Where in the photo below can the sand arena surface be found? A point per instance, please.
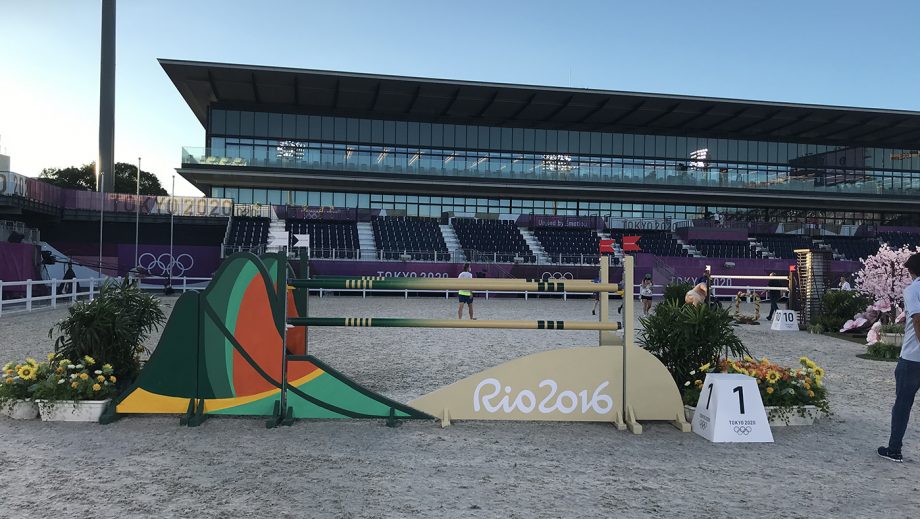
(234, 467)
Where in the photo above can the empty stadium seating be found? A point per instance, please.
(418, 238)
(899, 239)
(569, 245)
(783, 245)
(659, 243)
(491, 240)
(852, 248)
(248, 231)
(724, 248)
(328, 239)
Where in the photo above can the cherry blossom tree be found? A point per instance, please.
(883, 276)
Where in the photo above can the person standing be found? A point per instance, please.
(844, 284)
(69, 275)
(774, 295)
(596, 296)
(907, 372)
(466, 296)
(645, 294)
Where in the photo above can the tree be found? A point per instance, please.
(883, 275)
(84, 178)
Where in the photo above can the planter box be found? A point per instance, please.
(19, 409)
(775, 417)
(71, 410)
(895, 339)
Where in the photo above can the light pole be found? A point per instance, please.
(101, 213)
(172, 215)
(137, 208)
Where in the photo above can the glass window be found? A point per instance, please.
(364, 130)
(402, 132)
(364, 201)
(325, 199)
(260, 125)
(316, 127)
(274, 125)
(289, 129)
(472, 136)
(413, 138)
(341, 130)
(314, 199)
(649, 146)
(459, 137)
(437, 134)
(495, 138)
(351, 200)
(259, 196)
(246, 123)
(389, 132)
(338, 199)
(424, 134)
(303, 127)
(328, 128)
(377, 132)
(233, 122)
(217, 192)
(274, 196)
(485, 137)
(218, 121)
(232, 193)
(584, 142)
(245, 195)
(300, 198)
(597, 146)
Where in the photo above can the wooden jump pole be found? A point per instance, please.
(520, 285)
(384, 322)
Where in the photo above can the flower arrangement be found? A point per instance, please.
(780, 387)
(83, 380)
(19, 379)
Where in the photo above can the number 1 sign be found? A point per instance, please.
(730, 410)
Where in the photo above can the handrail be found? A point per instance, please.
(532, 285)
(383, 322)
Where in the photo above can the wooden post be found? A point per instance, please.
(603, 298)
(629, 332)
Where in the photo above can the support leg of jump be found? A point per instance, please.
(631, 422)
(189, 413)
(680, 422)
(391, 419)
(199, 416)
(618, 421)
(445, 418)
(110, 414)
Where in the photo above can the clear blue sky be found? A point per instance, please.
(843, 53)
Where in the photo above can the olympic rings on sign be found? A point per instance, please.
(161, 265)
(743, 430)
(547, 276)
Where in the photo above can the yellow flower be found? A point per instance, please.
(769, 390)
(74, 385)
(9, 372)
(96, 387)
(100, 378)
(764, 361)
(112, 379)
(7, 366)
(747, 358)
(819, 372)
(704, 367)
(106, 367)
(89, 361)
(50, 357)
(59, 370)
(807, 385)
(63, 363)
(811, 394)
(818, 380)
(26, 372)
(698, 382)
(772, 377)
(9, 381)
(83, 376)
(32, 362)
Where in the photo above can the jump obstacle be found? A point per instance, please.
(240, 348)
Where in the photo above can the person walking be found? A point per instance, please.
(645, 294)
(774, 295)
(596, 296)
(907, 372)
(466, 296)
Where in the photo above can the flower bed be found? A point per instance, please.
(785, 392)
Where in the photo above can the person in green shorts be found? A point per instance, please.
(466, 296)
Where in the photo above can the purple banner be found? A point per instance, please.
(325, 213)
(18, 262)
(122, 203)
(190, 260)
(571, 222)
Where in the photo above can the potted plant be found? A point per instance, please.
(75, 392)
(791, 396)
(19, 380)
(892, 333)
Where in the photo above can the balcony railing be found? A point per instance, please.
(619, 171)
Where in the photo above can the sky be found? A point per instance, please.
(848, 53)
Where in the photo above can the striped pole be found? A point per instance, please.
(520, 285)
(383, 322)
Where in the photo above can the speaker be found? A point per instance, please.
(48, 258)
(16, 237)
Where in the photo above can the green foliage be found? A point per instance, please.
(881, 350)
(677, 291)
(684, 337)
(893, 328)
(816, 328)
(840, 306)
(84, 178)
(111, 328)
(82, 379)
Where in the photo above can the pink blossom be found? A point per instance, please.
(875, 334)
(883, 276)
(882, 306)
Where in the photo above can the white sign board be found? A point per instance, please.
(730, 410)
(785, 321)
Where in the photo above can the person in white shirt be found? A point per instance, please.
(466, 296)
(844, 284)
(907, 373)
(645, 294)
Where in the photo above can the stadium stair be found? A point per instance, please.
(453, 243)
(276, 226)
(535, 246)
(366, 242)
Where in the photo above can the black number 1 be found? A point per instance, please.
(708, 398)
(740, 391)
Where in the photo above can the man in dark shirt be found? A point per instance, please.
(69, 274)
(774, 295)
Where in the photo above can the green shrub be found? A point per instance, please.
(685, 337)
(881, 350)
(893, 328)
(111, 328)
(840, 306)
(676, 291)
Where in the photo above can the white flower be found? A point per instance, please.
(79, 366)
(70, 366)
(61, 381)
(687, 383)
(693, 372)
(98, 372)
(73, 376)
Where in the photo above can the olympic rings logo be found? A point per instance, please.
(556, 275)
(164, 263)
(742, 430)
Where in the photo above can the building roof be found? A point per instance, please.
(497, 104)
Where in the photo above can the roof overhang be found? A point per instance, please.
(377, 96)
